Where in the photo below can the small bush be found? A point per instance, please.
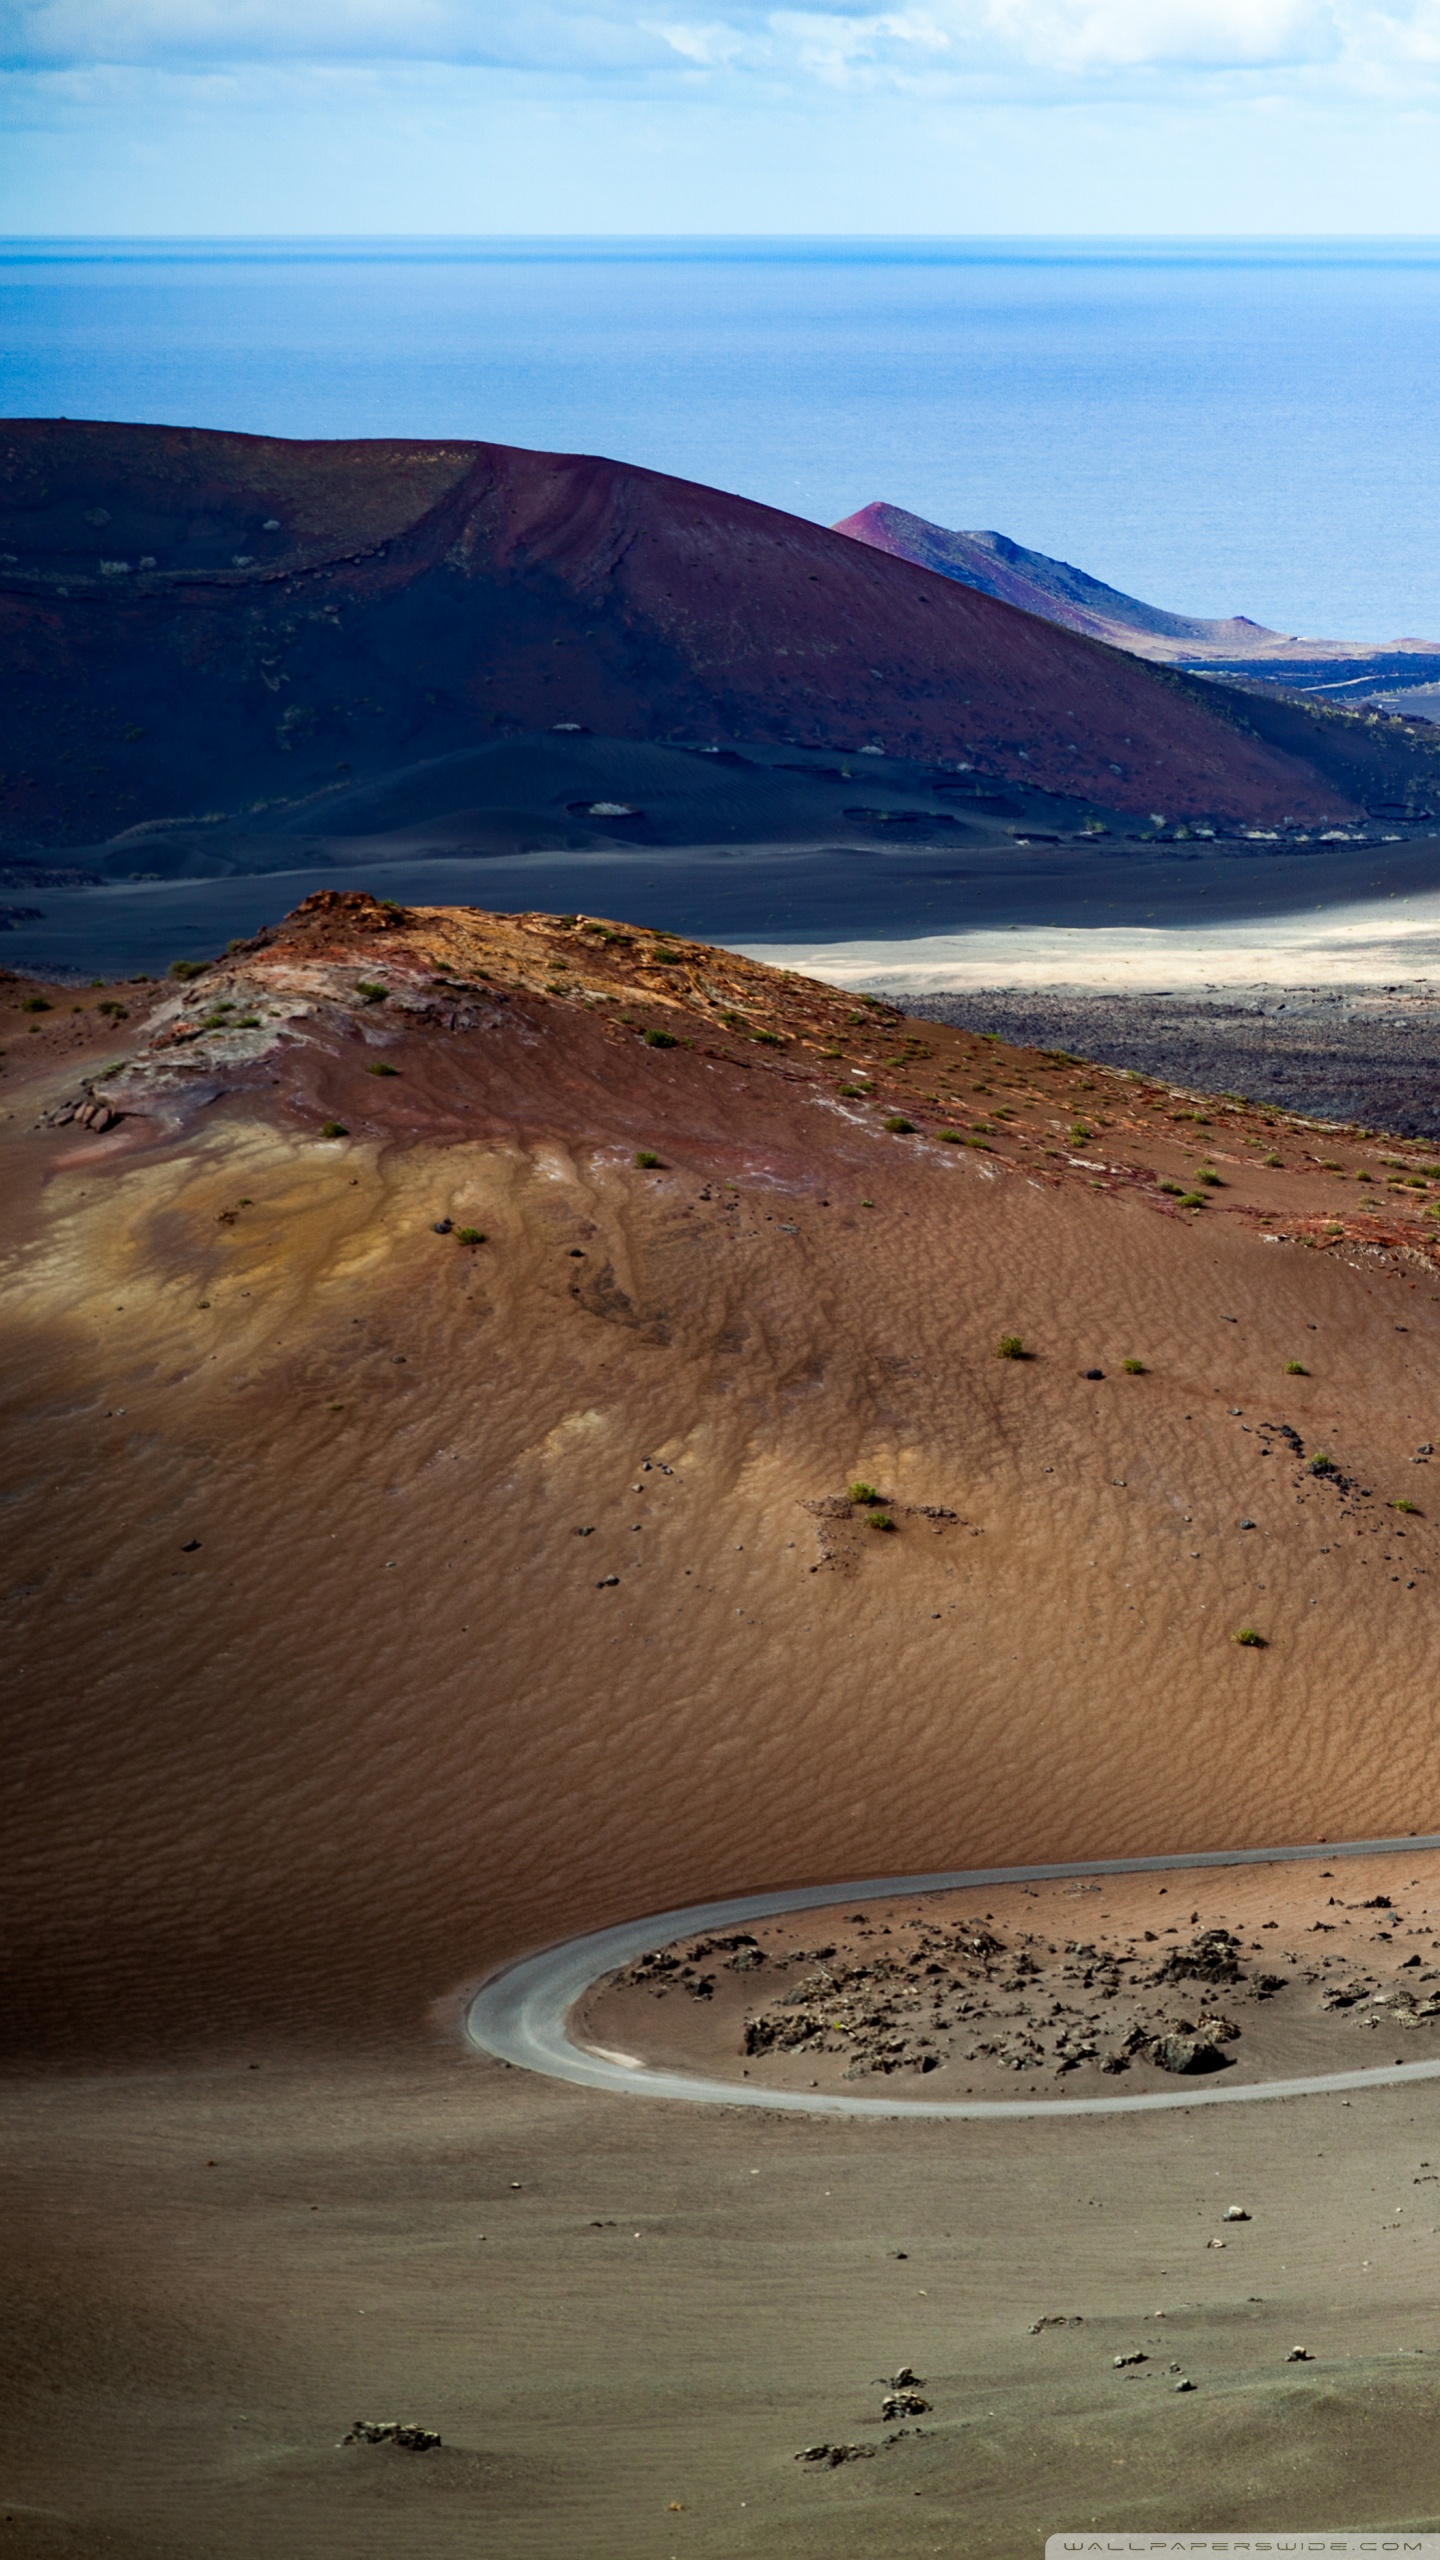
(1321, 1464)
(899, 1126)
(1192, 1199)
(382, 1067)
(855, 1092)
(1400, 1504)
(646, 1159)
(767, 1039)
(881, 1520)
(469, 1235)
(1212, 1181)
(1278, 1163)
(334, 1129)
(37, 1004)
(1296, 1369)
(1250, 1636)
(951, 1137)
(1011, 1347)
(860, 1491)
(1133, 1368)
(188, 968)
(983, 1144)
(372, 993)
(660, 1040)
(1173, 1190)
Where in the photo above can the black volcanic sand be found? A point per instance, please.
(735, 847)
(1364, 1054)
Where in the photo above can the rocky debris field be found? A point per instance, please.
(941, 1985)
(1363, 1054)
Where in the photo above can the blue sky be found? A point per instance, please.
(565, 116)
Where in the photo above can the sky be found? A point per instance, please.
(1122, 117)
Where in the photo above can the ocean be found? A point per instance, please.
(1218, 427)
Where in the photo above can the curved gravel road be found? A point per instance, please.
(521, 2015)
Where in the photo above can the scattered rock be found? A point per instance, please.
(1137, 2356)
(1186, 2053)
(411, 2439)
(834, 2454)
(1057, 2320)
(1184, 2383)
(903, 2404)
(1235, 2213)
(1299, 2355)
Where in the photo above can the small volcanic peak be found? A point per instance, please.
(307, 611)
(443, 1022)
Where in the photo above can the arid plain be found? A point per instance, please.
(425, 1540)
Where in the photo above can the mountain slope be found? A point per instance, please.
(194, 621)
(995, 566)
(441, 1345)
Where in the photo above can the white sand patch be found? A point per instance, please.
(1353, 945)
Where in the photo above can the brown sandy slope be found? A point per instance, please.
(389, 1676)
(195, 622)
(319, 1706)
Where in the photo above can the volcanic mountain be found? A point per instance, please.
(196, 622)
(993, 565)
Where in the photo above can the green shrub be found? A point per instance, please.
(646, 1159)
(768, 1039)
(1192, 1199)
(469, 1235)
(334, 1129)
(983, 1144)
(860, 1491)
(951, 1137)
(1011, 1347)
(1296, 1369)
(659, 1039)
(1212, 1180)
(1250, 1636)
(899, 1126)
(881, 1520)
(382, 1067)
(1321, 1464)
(1173, 1190)
(1278, 1162)
(1133, 1368)
(37, 1004)
(1400, 1504)
(188, 968)
(855, 1092)
(372, 993)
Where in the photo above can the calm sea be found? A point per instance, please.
(1236, 427)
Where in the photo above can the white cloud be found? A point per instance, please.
(1038, 50)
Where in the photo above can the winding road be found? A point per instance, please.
(521, 2015)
